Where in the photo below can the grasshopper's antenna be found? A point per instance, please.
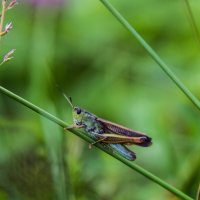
(69, 99)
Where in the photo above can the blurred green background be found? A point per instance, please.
(82, 47)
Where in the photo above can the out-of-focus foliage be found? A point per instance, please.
(80, 45)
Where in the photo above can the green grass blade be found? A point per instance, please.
(152, 53)
(198, 193)
(61, 123)
(192, 21)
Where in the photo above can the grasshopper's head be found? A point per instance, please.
(78, 113)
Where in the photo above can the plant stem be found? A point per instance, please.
(152, 53)
(2, 15)
(192, 21)
(198, 193)
(82, 135)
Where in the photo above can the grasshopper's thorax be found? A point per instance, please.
(89, 120)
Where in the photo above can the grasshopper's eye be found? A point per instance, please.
(78, 111)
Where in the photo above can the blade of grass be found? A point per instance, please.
(192, 21)
(52, 135)
(152, 53)
(61, 123)
(2, 16)
(54, 142)
(198, 193)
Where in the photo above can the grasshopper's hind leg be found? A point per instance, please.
(100, 140)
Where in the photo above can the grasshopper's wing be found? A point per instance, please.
(111, 127)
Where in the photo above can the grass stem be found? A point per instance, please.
(2, 15)
(61, 123)
(152, 53)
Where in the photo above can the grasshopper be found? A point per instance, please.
(111, 135)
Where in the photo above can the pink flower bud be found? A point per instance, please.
(8, 27)
(12, 4)
(8, 56)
